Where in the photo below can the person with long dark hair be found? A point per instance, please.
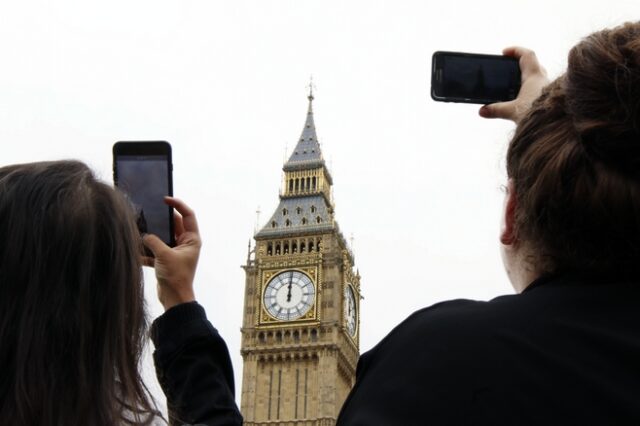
(73, 323)
(565, 350)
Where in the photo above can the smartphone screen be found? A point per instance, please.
(474, 78)
(142, 171)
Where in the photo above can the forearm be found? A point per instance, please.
(194, 368)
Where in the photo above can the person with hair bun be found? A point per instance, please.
(565, 350)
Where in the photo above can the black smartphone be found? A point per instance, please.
(143, 172)
(474, 78)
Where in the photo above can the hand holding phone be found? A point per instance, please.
(474, 78)
(176, 267)
(534, 79)
(143, 172)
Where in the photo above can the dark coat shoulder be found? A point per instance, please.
(560, 353)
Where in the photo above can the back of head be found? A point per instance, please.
(575, 162)
(72, 318)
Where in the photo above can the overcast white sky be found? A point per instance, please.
(416, 182)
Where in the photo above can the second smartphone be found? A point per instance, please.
(143, 172)
(474, 78)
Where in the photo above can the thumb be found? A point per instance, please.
(155, 244)
(499, 110)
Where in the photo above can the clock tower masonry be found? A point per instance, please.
(300, 333)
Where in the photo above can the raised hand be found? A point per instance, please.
(534, 79)
(176, 266)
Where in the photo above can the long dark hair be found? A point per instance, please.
(575, 161)
(72, 315)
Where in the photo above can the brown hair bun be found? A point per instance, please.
(602, 88)
(575, 163)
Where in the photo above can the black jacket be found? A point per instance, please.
(564, 352)
(193, 368)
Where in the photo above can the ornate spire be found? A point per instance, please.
(305, 200)
(307, 151)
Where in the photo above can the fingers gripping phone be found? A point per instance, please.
(474, 78)
(143, 172)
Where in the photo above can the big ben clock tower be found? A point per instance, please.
(300, 334)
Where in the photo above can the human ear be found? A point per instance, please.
(508, 233)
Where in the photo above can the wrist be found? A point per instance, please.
(169, 301)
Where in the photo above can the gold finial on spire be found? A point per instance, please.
(311, 86)
(257, 221)
(352, 241)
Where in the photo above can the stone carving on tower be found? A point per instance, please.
(300, 333)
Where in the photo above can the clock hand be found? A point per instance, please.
(289, 287)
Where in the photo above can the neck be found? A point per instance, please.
(523, 278)
(520, 266)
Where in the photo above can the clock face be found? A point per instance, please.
(289, 295)
(350, 317)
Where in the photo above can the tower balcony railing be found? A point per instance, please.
(290, 193)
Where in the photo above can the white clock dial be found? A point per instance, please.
(350, 316)
(289, 295)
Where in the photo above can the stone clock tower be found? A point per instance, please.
(300, 335)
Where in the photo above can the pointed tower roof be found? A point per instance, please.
(307, 152)
(306, 207)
